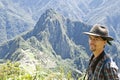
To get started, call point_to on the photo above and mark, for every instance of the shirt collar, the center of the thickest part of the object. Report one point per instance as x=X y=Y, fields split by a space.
x=96 y=60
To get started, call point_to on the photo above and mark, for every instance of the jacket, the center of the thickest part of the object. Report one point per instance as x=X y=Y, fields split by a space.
x=102 y=68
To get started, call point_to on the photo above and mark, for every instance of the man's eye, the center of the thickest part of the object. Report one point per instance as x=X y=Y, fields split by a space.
x=96 y=39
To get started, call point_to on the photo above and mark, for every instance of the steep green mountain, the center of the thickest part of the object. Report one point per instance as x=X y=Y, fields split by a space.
x=53 y=28
x=51 y=38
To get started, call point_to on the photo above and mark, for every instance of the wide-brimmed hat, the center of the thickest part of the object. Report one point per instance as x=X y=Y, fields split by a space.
x=99 y=30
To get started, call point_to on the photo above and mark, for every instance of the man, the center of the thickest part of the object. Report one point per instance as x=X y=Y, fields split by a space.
x=101 y=66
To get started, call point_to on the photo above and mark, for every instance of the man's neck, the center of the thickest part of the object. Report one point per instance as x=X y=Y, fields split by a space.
x=97 y=53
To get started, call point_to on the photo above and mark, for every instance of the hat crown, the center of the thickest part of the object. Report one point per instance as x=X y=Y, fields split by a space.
x=99 y=30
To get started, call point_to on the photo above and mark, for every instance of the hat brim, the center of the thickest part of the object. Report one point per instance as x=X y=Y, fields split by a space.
x=93 y=34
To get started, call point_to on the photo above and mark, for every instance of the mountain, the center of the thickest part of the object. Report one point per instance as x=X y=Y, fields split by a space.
x=13 y=22
x=54 y=28
x=52 y=36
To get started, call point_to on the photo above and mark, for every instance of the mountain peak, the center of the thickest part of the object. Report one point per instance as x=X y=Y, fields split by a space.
x=50 y=16
x=50 y=11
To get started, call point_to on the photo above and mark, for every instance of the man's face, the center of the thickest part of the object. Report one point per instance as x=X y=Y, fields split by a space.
x=96 y=43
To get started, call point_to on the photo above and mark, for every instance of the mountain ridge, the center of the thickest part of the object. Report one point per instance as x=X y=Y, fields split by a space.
x=50 y=36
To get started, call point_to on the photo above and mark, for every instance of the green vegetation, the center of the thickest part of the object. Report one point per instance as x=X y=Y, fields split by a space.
x=13 y=71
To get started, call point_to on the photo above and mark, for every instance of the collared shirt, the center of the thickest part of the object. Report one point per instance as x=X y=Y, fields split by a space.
x=100 y=70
